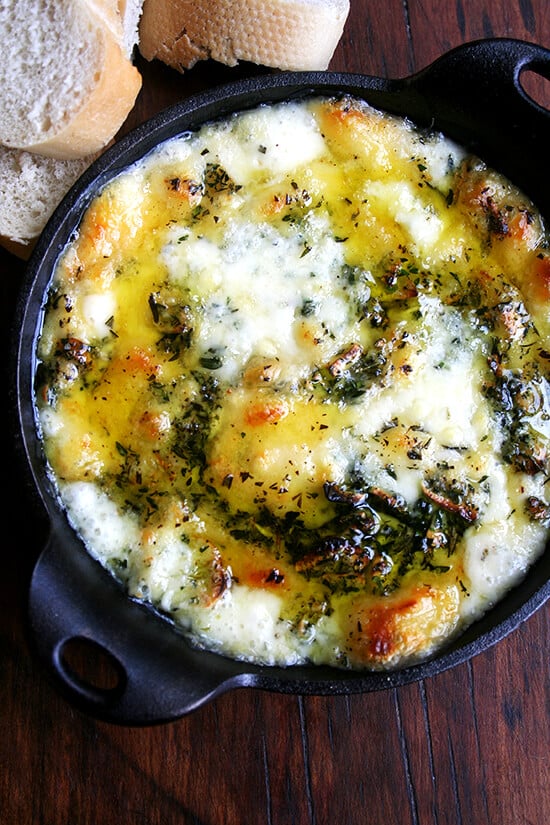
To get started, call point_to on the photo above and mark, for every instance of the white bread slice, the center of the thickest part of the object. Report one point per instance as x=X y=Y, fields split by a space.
x=31 y=187
x=66 y=85
x=284 y=34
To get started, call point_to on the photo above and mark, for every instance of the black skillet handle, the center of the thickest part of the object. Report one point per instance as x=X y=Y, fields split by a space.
x=475 y=93
x=147 y=675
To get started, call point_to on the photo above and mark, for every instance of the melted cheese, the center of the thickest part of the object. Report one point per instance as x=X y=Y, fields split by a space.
x=293 y=385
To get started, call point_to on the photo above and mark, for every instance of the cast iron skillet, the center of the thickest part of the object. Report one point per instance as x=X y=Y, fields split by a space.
x=474 y=95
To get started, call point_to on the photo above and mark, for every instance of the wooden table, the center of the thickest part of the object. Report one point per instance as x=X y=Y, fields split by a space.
x=470 y=746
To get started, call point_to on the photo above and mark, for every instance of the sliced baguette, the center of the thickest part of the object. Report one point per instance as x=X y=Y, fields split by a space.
x=31 y=187
x=284 y=34
x=66 y=83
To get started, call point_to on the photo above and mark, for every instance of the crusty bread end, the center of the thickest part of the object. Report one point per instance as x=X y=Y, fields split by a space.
x=285 y=34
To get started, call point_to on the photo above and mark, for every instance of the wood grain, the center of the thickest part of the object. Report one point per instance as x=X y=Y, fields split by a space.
x=468 y=747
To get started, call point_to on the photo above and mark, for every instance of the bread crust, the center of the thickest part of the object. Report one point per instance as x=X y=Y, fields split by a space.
x=285 y=34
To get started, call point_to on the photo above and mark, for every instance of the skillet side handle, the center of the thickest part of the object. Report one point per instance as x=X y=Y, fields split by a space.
x=476 y=90
x=146 y=675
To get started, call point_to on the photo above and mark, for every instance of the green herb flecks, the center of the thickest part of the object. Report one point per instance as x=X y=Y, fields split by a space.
x=174 y=320
x=517 y=398
x=217 y=179
x=373 y=540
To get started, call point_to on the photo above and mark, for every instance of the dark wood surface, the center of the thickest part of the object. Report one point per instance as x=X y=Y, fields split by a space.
x=470 y=746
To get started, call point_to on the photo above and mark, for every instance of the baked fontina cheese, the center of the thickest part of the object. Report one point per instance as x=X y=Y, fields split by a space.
x=293 y=385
